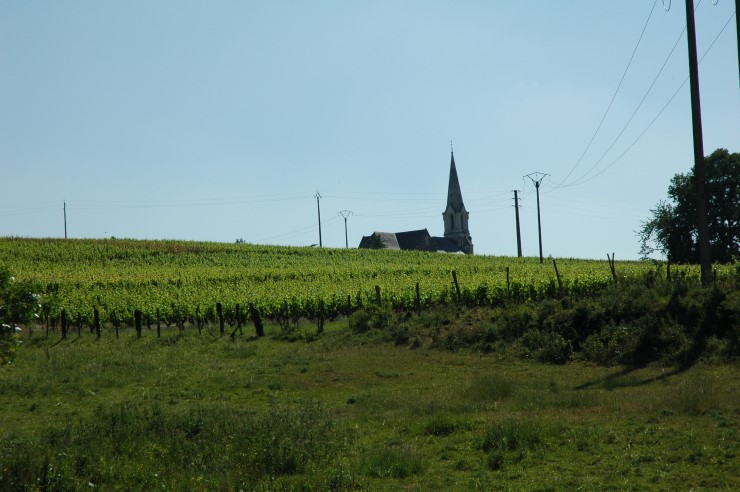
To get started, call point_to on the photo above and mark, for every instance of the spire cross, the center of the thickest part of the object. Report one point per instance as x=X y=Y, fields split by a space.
x=451 y=148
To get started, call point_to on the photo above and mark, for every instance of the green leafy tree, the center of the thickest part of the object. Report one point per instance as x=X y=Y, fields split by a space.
x=672 y=229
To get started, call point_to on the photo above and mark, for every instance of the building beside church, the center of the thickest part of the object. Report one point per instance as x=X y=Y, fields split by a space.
x=456 y=238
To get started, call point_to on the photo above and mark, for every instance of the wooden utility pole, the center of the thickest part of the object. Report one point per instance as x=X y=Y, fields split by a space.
x=318 y=206
x=345 y=214
x=537 y=178
x=737 y=31
x=518 y=232
x=705 y=260
x=65 y=220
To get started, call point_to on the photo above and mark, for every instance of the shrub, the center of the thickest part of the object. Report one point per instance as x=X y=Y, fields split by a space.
x=9 y=345
x=547 y=346
x=370 y=318
x=612 y=345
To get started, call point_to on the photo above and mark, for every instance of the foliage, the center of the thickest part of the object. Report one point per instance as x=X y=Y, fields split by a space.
x=19 y=301
x=180 y=281
x=673 y=226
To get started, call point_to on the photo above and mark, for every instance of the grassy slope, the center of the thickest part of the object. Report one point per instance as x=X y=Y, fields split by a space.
x=413 y=419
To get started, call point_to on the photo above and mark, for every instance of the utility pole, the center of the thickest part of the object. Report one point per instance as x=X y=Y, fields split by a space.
x=518 y=233
x=737 y=31
x=318 y=206
x=65 y=220
x=699 y=173
x=537 y=178
x=345 y=214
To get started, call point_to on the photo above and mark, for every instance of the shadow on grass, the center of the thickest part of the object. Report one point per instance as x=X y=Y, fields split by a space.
x=618 y=379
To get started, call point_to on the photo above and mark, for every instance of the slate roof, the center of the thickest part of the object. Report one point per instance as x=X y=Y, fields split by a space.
x=409 y=240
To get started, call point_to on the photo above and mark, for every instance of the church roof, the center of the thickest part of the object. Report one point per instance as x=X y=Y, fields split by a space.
x=419 y=240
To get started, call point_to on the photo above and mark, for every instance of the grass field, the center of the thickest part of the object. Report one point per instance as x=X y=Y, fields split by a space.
x=350 y=412
x=518 y=381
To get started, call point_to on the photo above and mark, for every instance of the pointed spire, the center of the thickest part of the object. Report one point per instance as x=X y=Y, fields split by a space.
x=454 y=195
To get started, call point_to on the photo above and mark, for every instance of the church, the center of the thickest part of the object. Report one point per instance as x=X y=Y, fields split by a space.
x=456 y=236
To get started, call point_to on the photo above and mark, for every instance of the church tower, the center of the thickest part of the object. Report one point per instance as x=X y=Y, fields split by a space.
x=455 y=216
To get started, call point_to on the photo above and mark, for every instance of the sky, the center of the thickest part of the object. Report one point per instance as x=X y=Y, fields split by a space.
x=220 y=121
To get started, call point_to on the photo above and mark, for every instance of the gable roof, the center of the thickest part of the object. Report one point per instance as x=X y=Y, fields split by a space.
x=409 y=240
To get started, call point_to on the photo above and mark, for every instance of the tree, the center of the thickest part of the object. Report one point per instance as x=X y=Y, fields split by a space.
x=672 y=228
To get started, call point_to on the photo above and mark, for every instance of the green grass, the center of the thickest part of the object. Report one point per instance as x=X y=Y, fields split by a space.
x=349 y=411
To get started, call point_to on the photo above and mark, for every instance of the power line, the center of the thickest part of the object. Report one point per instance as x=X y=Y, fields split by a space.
x=611 y=102
x=581 y=181
x=629 y=120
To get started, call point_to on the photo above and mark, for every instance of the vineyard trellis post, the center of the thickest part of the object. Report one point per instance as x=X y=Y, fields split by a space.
x=611 y=266
x=257 y=320
x=418 y=299
x=557 y=275
x=220 y=313
x=321 y=316
x=457 y=286
x=64 y=323
x=238 y=313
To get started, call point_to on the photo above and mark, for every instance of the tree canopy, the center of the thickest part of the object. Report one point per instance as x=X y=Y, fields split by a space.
x=672 y=229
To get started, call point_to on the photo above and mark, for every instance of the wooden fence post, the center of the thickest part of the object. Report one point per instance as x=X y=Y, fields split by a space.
x=320 y=321
x=557 y=274
x=378 y=299
x=64 y=323
x=159 y=324
x=96 y=322
x=508 y=281
x=79 y=325
x=418 y=298
x=137 y=322
x=257 y=320
x=220 y=313
x=611 y=266
x=238 y=310
x=457 y=286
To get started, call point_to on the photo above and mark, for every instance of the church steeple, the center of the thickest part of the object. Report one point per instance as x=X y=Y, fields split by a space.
x=455 y=216
x=454 y=195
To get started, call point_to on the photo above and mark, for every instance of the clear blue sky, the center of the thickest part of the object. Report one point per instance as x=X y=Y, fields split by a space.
x=221 y=120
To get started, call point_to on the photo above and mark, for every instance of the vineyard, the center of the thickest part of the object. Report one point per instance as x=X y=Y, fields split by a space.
x=177 y=281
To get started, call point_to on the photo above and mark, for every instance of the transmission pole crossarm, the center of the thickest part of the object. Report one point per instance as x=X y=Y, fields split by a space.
x=536 y=179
